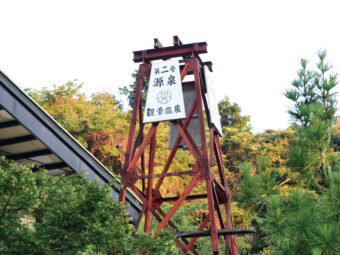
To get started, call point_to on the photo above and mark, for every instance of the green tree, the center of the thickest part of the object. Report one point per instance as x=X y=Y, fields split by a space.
x=98 y=122
x=42 y=214
x=129 y=91
x=312 y=92
x=303 y=95
x=239 y=147
x=292 y=195
x=302 y=222
x=255 y=185
x=313 y=114
x=288 y=218
x=231 y=115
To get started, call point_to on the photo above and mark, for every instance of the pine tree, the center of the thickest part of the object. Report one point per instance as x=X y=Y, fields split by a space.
x=313 y=115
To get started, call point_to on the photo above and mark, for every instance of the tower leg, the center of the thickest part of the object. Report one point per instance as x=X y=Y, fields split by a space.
x=150 y=183
x=136 y=107
x=213 y=227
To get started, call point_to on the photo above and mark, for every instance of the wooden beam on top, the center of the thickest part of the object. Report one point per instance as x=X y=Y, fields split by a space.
x=170 y=52
x=15 y=140
x=157 y=44
x=176 y=41
x=7 y=124
x=29 y=154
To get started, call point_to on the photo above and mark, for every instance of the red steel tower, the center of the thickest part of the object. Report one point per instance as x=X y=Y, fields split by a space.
x=218 y=223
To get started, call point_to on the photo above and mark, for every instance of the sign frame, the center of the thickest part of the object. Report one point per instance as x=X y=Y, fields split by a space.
x=164 y=100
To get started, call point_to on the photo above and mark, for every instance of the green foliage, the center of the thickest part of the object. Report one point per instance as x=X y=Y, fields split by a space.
x=231 y=115
x=189 y=218
x=312 y=93
x=98 y=123
x=256 y=185
x=290 y=220
x=160 y=242
x=241 y=147
x=302 y=94
x=19 y=197
x=42 y=214
x=293 y=193
x=129 y=91
x=72 y=206
x=298 y=224
x=314 y=115
x=311 y=155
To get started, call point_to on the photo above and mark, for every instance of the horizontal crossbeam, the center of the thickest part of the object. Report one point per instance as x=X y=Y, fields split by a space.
x=170 y=52
x=7 y=124
x=29 y=154
x=221 y=232
x=165 y=175
x=15 y=140
x=51 y=166
x=173 y=199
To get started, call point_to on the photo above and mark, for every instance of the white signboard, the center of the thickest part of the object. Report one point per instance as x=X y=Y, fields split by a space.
x=215 y=117
x=165 y=97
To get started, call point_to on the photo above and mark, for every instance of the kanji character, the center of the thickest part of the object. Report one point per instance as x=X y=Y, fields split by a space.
x=158 y=82
x=165 y=71
x=160 y=111
x=168 y=110
x=171 y=80
x=177 y=108
x=150 y=112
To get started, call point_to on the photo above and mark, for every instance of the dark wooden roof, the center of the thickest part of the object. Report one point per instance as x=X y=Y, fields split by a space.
x=29 y=134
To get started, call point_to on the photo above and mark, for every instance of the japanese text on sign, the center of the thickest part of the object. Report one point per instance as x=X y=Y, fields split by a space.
x=165 y=97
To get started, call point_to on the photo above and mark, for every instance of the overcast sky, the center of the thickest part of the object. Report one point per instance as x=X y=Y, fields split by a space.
x=255 y=46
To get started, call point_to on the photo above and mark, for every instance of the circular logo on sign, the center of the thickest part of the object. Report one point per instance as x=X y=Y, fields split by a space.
x=164 y=96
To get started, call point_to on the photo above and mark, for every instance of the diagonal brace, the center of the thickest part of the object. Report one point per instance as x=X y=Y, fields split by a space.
x=179 y=201
x=145 y=142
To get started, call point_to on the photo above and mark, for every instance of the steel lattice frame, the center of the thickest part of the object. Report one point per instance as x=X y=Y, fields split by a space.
x=205 y=157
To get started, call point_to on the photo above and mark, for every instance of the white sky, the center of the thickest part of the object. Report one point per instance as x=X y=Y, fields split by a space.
x=255 y=46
